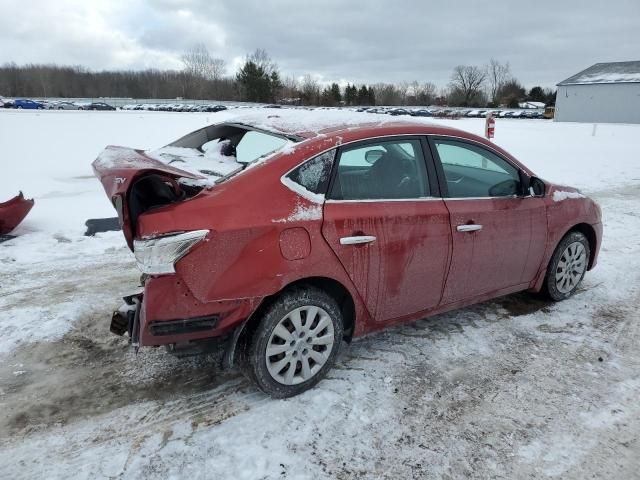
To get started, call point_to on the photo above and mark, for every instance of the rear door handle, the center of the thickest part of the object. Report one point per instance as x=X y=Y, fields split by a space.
x=357 y=240
x=469 y=228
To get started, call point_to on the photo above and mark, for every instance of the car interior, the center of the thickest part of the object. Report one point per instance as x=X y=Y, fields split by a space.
x=475 y=172
x=250 y=144
x=390 y=170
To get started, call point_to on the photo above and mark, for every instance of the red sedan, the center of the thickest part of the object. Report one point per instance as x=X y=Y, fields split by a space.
x=271 y=241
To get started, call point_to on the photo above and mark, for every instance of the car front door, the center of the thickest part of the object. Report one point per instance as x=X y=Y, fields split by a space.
x=388 y=226
x=498 y=233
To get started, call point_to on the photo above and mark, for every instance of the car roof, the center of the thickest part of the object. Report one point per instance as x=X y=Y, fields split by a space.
x=307 y=125
x=327 y=129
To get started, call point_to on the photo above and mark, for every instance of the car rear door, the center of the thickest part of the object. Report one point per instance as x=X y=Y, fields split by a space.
x=498 y=233
x=388 y=226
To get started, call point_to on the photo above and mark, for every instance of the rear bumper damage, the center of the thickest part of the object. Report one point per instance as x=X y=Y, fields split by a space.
x=13 y=211
x=166 y=313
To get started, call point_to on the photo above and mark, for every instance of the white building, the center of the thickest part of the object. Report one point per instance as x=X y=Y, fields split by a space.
x=603 y=93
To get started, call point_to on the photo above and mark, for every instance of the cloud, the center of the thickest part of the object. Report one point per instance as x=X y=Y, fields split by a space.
x=361 y=41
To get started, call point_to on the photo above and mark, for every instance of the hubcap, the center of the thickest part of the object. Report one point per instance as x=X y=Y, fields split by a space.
x=571 y=267
x=299 y=345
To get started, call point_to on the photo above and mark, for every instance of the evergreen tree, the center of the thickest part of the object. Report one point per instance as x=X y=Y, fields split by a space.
x=350 y=94
x=336 y=96
x=536 y=94
x=258 y=79
x=372 y=96
x=363 y=95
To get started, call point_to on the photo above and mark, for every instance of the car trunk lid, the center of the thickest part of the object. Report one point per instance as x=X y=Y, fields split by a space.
x=136 y=182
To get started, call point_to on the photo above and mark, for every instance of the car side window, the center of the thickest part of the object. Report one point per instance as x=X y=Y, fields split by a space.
x=382 y=170
x=474 y=172
x=314 y=174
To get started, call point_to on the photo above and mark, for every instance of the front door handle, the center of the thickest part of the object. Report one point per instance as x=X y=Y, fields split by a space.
x=357 y=240
x=469 y=228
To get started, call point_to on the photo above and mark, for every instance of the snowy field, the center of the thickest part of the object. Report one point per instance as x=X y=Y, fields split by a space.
x=513 y=388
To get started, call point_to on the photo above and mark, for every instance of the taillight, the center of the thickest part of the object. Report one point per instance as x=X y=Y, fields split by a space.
x=159 y=255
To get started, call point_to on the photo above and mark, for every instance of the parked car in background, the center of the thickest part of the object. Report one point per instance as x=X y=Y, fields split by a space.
x=398 y=111
x=100 y=106
x=27 y=104
x=216 y=108
x=327 y=235
x=420 y=113
x=62 y=105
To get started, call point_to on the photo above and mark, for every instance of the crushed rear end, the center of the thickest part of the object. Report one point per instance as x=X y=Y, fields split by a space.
x=165 y=205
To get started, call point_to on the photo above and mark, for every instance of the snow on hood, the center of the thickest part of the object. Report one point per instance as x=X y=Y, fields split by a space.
x=560 y=195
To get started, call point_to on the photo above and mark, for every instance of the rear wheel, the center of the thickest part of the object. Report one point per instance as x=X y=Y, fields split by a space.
x=295 y=343
x=567 y=267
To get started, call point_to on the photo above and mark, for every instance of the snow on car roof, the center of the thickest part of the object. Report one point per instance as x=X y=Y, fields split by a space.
x=612 y=72
x=307 y=124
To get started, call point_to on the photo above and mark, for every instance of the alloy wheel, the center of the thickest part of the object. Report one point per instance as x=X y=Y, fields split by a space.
x=300 y=345
x=571 y=267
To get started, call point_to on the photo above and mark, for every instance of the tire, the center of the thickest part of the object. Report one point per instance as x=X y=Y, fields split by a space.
x=567 y=266
x=302 y=352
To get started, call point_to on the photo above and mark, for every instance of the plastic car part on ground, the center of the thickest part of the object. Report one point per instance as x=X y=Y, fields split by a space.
x=99 y=225
x=13 y=211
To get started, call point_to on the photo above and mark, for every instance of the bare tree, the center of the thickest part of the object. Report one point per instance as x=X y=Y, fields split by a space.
x=217 y=69
x=498 y=74
x=403 y=89
x=262 y=60
x=196 y=60
x=467 y=82
x=290 y=89
x=421 y=94
x=310 y=90
x=199 y=68
x=386 y=94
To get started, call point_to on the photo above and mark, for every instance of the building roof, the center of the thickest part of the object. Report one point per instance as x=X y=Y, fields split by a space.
x=611 y=72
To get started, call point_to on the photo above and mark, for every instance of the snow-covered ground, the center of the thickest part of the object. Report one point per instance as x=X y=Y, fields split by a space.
x=514 y=388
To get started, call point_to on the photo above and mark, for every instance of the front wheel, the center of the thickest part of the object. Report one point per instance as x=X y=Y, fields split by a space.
x=295 y=343
x=567 y=267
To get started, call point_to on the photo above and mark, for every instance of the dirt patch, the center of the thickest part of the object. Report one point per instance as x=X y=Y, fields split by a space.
x=87 y=373
x=524 y=304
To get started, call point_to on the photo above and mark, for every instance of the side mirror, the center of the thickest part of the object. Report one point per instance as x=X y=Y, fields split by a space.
x=536 y=187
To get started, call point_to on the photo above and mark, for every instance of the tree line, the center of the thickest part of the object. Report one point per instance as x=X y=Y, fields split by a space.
x=259 y=80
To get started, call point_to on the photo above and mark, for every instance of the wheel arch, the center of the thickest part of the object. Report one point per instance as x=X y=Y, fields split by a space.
x=242 y=335
x=589 y=232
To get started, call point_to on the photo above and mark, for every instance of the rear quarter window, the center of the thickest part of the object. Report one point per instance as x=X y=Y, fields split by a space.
x=314 y=174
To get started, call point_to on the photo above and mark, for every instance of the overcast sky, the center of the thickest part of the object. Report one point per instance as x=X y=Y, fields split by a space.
x=358 y=41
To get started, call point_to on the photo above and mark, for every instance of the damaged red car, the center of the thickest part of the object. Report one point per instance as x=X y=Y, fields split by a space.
x=272 y=241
